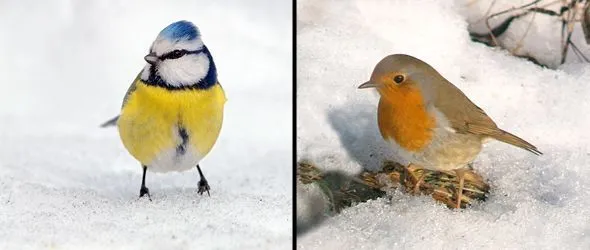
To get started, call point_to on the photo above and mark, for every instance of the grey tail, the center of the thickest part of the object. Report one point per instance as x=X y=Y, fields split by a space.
x=111 y=122
x=511 y=139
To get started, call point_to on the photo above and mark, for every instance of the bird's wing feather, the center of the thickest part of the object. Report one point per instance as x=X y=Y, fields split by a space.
x=467 y=118
x=132 y=87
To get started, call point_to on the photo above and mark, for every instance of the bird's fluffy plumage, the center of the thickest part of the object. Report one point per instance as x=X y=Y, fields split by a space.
x=194 y=69
x=463 y=116
x=173 y=111
x=153 y=118
x=181 y=30
x=430 y=121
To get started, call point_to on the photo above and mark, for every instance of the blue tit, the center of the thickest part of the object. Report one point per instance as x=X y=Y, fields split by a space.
x=173 y=111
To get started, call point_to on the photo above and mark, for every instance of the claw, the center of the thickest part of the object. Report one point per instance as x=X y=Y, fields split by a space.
x=204 y=186
x=143 y=191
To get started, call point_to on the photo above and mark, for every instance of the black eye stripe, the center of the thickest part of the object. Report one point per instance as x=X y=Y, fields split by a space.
x=173 y=54
x=178 y=54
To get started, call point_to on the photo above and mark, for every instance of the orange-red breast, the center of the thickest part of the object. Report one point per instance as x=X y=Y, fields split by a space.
x=428 y=120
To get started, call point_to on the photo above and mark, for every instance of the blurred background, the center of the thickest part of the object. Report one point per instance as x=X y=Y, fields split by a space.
x=64 y=69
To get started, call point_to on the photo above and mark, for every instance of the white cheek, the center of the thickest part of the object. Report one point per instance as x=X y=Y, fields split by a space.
x=184 y=71
x=145 y=74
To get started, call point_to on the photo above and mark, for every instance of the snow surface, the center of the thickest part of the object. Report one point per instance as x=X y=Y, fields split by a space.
x=68 y=184
x=535 y=203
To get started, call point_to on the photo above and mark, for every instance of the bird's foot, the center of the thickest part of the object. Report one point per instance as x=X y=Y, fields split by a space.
x=416 y=190
x=143 y=191
x=410 y=181
x=204 y=186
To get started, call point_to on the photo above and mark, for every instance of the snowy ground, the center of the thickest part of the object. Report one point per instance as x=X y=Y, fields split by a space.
x=536 y=202
x=68 y=184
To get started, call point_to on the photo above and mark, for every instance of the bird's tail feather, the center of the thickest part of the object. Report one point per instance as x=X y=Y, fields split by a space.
x=111 y=122
x=511 y=139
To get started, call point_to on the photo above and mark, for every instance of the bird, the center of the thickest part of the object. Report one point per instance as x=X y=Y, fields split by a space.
x=172 y=113
x=430 y=122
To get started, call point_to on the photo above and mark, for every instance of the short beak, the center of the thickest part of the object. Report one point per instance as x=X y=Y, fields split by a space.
x=151 y=58
x=368 y=84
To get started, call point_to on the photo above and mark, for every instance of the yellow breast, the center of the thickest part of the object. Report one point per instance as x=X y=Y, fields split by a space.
x=149 y=120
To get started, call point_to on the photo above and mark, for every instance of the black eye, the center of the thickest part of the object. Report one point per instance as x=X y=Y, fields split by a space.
x=398 y=79
x=175 y=54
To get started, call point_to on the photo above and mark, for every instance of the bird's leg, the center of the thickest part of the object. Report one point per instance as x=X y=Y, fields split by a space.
x=416 y=188
x=203 y=185
x=461 y=176
x=406 y=174
x=144 y=190
x=417 y=185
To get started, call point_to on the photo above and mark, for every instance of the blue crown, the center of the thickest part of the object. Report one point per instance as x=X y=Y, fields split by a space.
x=180 y=30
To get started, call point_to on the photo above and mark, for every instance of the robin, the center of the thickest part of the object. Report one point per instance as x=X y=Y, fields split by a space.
x=429 y=121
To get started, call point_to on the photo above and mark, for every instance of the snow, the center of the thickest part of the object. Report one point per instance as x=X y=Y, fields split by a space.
x=535 y=202
x=68 y=184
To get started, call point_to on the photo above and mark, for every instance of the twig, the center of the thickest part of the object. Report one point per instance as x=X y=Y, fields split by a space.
x=586 y=21
x=487 y=12
x=570 y=29
x=550 y=3
x=503 y=12
x=579 y=52
x=519 y=43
